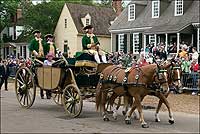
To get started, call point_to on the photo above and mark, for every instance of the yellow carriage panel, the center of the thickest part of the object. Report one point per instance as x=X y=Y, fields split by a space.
x=48 y=77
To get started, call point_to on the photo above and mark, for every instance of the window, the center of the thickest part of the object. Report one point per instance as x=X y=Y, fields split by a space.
x=136 y=43
x=65 y=23
x=198 y=39
x=87 y=22
x=24 y=52
x=66 y=48
x=121 y=42
x=178 y=7
x=155 y=8
x=152 y=39
x=131 y=12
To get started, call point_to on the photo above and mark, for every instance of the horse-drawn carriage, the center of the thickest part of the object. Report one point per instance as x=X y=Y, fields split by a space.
x=69 y=80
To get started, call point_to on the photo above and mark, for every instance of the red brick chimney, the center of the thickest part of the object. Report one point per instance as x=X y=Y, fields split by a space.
x=117 y=5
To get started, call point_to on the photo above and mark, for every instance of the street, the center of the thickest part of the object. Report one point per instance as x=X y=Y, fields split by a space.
x=47 y=117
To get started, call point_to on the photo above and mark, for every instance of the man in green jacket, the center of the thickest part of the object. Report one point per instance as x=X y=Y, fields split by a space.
x=91 y=44
x=49 y=46
x=36 y=45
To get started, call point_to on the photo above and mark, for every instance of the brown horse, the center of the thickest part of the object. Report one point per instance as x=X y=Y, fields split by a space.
x=136 y=84
x=174 y=72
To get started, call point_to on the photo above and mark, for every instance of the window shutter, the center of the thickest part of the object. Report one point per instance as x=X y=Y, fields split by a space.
x=125 y=43
x=140 y=41
x=147 y=39
x=117 y=42
x=131 y=43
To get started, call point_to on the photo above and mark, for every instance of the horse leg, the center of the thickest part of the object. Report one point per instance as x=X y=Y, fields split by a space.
x=104 y=112
x=157 y=119
x=137 y=103
x=164 y=100
x=112 y=99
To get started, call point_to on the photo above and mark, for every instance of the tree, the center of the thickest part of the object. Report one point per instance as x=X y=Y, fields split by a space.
x=8 y=9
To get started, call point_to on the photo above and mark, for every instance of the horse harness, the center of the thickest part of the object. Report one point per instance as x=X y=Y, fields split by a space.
x=114 y=73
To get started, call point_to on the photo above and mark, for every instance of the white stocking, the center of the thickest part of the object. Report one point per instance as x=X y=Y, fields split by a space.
x=96 y=56
x=103 y=57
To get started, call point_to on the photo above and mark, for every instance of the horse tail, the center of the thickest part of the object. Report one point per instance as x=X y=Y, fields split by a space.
x=98 y=96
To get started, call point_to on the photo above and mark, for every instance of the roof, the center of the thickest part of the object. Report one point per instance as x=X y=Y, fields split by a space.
x=100 y=17
x=166 y=22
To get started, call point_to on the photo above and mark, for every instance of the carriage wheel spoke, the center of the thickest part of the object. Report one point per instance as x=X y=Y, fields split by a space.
x=20 y=81
x=24 y=99
x=21 y=97
x=21 y=78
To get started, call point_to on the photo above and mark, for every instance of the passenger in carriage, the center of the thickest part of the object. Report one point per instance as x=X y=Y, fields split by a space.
x=49 y=46
x=36 y=45
x=91 y=44
x=49 y=60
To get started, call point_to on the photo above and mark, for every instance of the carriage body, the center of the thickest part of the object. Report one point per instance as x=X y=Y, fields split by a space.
x=69 y=80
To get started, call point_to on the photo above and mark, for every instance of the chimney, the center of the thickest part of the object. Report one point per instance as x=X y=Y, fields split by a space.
x=117 y=5
x=19 y=13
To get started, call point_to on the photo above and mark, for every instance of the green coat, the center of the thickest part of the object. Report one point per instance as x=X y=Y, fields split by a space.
x=47 y=48
x=34 y=45
x=86 y=41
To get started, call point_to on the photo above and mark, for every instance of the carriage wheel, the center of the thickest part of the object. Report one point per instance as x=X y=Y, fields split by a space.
x=57 y=97
x=72 y=100
x=25 y=87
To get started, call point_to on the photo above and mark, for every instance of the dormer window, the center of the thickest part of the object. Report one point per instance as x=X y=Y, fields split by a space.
x=86 y=20
x=178 y=7
x=155 y=8
x=131 y=12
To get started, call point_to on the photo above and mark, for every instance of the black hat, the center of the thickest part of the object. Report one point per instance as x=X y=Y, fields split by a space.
x=48 y=36
x=36 y=31
x=87 y=27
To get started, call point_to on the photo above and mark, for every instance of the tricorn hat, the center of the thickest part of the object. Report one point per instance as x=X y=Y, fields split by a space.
x=36 y=31
x=48 y=36
x=87 y=27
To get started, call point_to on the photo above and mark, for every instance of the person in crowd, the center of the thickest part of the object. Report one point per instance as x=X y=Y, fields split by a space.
x=142 y=61
x=7 y=73
x=162 y=53
x=36 y=45
x=195 y=54
x=2 y=73
x=49 y=46
x=91 y=44
x=183 y=52
x=194 y=69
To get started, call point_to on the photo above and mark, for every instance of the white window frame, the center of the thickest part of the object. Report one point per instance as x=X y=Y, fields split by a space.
x=136 y=43
x=152 y=39
x=87 y=21
x=131 y=15
x=178 y=6
x=154 y=14
x=120 y=42
x=65 y=21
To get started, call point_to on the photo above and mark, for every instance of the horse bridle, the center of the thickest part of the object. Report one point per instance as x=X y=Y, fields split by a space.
x=158 y=75
x=172 y=73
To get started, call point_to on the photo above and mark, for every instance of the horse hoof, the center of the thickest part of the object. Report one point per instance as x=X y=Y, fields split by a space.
x=145 y=126
x=171 y=121
x=156 y=120
x=115 y=118
x=128 y=122
x=124 y=113
x=106 y=119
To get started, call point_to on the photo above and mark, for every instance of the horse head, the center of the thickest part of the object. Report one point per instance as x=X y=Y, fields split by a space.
x=161 y=78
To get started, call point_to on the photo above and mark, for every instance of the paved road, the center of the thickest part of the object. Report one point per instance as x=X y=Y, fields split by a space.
x=46 y=116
